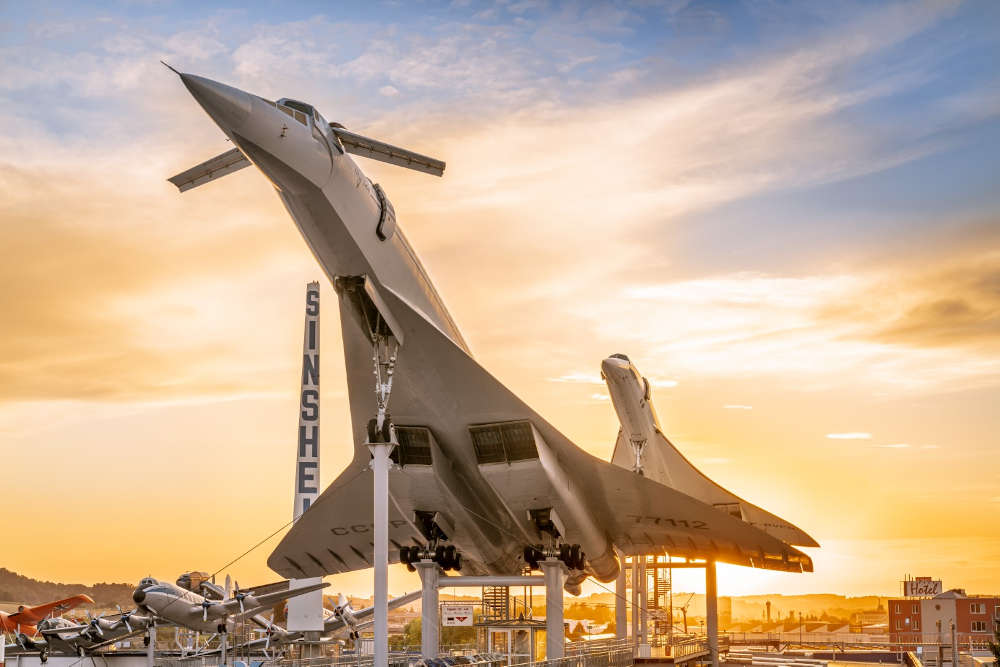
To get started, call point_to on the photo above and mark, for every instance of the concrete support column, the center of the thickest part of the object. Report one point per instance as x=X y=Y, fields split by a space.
x=430 y=574
x=555 y=573
x=621 y=602
x=643 y=634
x=712 y=612
x=380 y=468
x=635 y=599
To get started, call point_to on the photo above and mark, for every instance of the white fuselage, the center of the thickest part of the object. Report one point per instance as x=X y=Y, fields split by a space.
x=337 y=210
x=181 y=607
x=630 y=396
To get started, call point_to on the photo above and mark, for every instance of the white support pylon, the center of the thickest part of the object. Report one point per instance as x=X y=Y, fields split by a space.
x=554 y=573
x=643 y=634
x=380 y=468
x=635 y=600
x=430 y=575
x=712 y=612
x=621 y=602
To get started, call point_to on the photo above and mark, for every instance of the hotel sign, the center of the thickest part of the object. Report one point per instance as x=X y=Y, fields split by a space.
x=921 y=587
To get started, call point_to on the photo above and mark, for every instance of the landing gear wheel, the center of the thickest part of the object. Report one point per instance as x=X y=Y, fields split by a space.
x=575 y=558
x=564 y=554
x=439 y=555
x=145 y=640
x=449 y=557
x=43 y=655
x=457 y=563
x=531 y=557
x=80 y=653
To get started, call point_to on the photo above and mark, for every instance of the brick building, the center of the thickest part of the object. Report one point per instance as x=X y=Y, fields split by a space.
x=928 y=620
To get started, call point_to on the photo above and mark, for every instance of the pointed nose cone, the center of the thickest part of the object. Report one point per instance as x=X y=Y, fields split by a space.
x=229 y=107
x=612 y=364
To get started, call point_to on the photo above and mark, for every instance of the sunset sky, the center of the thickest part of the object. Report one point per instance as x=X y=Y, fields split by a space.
x=786 y=213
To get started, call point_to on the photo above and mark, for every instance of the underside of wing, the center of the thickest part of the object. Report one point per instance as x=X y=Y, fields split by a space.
x=474 y=454
x=335 y=534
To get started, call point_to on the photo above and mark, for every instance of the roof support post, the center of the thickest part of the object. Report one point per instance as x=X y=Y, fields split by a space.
x=554 y=572
x=712 y=612
x=430 y=574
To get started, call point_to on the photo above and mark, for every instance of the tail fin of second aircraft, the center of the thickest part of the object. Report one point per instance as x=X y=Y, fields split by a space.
x=661 y=456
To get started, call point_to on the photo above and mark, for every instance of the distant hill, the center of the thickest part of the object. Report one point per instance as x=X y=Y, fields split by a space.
x=25 y=590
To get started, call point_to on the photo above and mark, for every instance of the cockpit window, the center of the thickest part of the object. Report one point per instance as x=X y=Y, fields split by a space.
x=147 y=582
x=307 y=109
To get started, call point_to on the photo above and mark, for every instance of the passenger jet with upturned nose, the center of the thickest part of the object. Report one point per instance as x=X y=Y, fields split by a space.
x=481 y=481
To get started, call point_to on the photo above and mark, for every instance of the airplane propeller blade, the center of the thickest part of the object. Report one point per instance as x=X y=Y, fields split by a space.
x=123 y=618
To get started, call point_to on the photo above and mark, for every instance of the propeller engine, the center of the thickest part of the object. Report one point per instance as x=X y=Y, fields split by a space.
x=94 y=631
x=123 y=617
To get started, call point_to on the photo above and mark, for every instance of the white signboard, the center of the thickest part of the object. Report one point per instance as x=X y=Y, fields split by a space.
x=453 y=614
x=921 y=587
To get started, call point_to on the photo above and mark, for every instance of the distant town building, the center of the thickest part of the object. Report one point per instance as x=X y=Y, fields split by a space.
x=725 y=611
x=929 y=620
x=874 y=618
